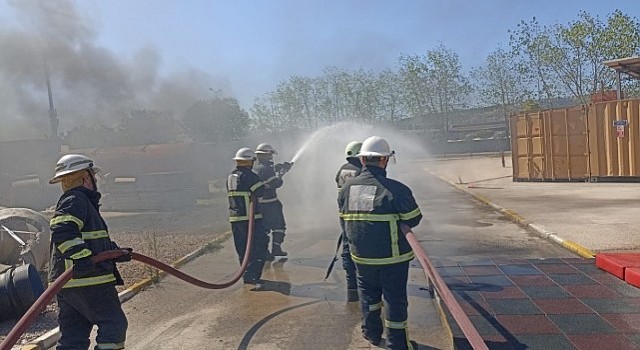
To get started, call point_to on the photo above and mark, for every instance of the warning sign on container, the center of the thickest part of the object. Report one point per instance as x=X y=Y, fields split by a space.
x=620 y=130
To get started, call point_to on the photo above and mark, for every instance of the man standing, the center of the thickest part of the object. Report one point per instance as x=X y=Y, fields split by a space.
x=78 y=232
x=270 y=205
x=243 y=188
x=348 y=170
x=373 y=207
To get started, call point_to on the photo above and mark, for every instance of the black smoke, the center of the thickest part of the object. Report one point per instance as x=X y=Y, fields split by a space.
x=90 y=83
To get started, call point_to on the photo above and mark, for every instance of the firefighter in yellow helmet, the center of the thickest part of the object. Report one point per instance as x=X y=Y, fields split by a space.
x=78 y=232
x=373 y=208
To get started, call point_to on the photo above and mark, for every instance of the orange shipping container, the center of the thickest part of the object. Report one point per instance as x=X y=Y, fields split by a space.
x=594 y=143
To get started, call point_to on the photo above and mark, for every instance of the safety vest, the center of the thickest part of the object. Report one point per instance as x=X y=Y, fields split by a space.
x=372 y=207
x=242 y=183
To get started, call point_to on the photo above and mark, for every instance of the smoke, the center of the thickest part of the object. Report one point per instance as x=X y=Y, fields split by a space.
x=310 y=192
x=90 y=83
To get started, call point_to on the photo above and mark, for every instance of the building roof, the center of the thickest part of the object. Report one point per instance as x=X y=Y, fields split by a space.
x=629 y=65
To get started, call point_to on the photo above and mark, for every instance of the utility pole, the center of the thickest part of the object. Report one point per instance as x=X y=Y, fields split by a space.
x=53 y=115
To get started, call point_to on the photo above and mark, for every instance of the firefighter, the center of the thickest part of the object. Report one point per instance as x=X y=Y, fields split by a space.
x=373 y=207
x=270 y=205
x=244 y=187
x=348 y=170
x=78 y=232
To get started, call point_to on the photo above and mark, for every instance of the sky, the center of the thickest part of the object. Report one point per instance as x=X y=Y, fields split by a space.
x=241 y=48
x=256 y=44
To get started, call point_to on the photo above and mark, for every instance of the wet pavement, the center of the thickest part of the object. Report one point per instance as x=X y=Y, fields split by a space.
x=550 y=303
x=520 y=291
x=295 y=309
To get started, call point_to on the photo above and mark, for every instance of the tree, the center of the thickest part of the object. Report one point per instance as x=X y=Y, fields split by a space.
x=144 y=127
x=529 y=43
x=498 y=82
x=434 y=85
x=216 y=120
x=568 y=59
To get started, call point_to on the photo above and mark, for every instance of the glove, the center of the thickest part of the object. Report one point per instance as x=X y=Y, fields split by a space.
x=83 y=267
x=282 y=168
x=124 y=258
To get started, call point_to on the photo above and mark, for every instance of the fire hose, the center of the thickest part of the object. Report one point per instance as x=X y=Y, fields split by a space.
x=463 y=321
x=54 y=287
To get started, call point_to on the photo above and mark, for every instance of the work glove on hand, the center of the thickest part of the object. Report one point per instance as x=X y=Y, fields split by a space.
x=124 y=258
x=83 y=267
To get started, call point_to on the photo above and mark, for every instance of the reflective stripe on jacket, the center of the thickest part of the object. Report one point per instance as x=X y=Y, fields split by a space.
x=372 y=207
x=78 y=231
x=242 y=183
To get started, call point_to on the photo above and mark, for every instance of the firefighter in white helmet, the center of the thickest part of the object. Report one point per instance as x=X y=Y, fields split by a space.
x=243 y=188
x=78 y=232
x=270 y=205
x=373 y=208
x=349 y=170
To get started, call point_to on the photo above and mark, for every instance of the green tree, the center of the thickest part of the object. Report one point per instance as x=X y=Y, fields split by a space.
x=529 y=43
x=498 y=82
x=216 y=120
x=567 y=60
x=434 y=85
x=144 y=127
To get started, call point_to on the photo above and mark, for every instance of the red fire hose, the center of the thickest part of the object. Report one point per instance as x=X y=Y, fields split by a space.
x=474 y=338
x=54 y=287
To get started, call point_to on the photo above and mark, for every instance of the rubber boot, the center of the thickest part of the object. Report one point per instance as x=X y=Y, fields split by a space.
x=276 y=250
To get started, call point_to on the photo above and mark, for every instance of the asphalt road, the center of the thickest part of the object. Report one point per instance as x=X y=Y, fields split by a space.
x=297 y=309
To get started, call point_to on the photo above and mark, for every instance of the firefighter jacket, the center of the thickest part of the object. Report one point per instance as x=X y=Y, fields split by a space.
x=78 y=231
x=372 y=208
x=264 y=169
x=350 y=169
x=242 y=183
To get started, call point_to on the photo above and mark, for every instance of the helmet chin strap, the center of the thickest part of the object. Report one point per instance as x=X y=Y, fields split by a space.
x=93 y=179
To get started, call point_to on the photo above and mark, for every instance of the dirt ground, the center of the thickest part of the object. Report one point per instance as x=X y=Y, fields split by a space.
x=166 y=236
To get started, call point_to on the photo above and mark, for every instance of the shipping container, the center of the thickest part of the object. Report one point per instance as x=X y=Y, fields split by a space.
x=597 y=142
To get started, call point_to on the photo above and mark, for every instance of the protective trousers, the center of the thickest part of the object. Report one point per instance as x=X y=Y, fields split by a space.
x=389 y=282
x=349 y=266
x=258 y=247
x=273 y=219
x=82 y=307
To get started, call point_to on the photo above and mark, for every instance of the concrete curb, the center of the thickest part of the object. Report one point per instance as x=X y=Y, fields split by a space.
x=49 y=339
x=520 y=220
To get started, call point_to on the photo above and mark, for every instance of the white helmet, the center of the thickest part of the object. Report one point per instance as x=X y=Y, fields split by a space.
x=352 y=149
x=375 y=146
x=72 y=163
x=245 y=154
x=265 y=148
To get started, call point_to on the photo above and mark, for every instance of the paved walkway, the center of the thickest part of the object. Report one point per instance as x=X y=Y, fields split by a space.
x=563 y=303
x=597 y=216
